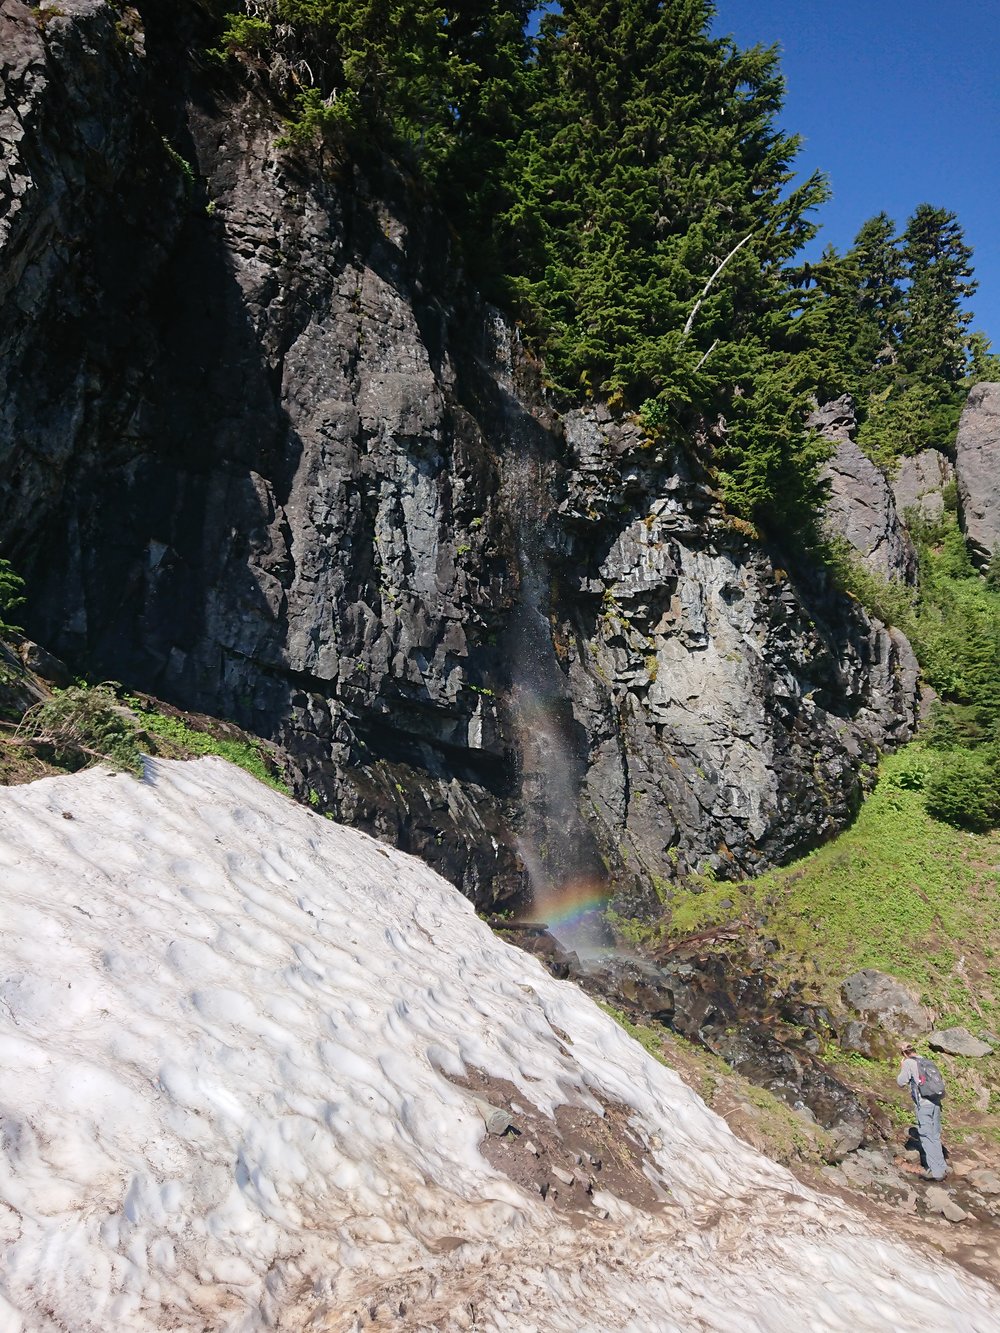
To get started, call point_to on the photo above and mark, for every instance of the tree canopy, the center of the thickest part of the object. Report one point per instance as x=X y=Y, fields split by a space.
x=622 y=183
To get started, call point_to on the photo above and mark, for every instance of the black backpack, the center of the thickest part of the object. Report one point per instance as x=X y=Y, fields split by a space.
x=931 y=1083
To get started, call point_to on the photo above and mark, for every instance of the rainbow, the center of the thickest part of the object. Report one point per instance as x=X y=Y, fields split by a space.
x=568 y=904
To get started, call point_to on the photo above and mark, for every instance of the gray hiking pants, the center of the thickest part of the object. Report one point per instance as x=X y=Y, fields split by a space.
x=929 y=1129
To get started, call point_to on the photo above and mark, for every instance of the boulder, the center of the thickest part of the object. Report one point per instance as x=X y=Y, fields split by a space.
x=958 y=1041
x=938 y=1200
x=866 y=1040
x=845 y=1137
x=987 y=1182
x=861 y=508
x=44 y=665
x=882 y=999
x=919 y=483
x=977 y=470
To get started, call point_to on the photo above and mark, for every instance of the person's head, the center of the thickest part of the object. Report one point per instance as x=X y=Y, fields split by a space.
x=908 y=1049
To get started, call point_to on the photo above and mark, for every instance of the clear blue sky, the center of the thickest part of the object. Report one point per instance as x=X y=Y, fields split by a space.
x=899 y=103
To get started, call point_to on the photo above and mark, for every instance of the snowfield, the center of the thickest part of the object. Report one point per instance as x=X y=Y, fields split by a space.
x=229 y=1034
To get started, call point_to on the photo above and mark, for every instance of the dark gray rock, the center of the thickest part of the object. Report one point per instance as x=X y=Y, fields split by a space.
x=264 y=454
x=42 y=664
x=845 y=1137
x=919 y=484
x=958 y=1041
x=884 y=1000
x=977 y=470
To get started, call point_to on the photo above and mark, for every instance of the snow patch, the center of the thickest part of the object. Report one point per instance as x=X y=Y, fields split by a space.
x=227 y=1028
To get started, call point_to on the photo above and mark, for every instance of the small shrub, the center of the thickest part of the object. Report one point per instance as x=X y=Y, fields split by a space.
x=81 y=726
x=11 y=588
x=888 y=601
x=965 y=792
x=912 y=772
x=242 y=34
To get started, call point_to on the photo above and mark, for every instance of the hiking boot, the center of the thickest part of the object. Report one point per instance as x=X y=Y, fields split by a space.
x=912 y=1169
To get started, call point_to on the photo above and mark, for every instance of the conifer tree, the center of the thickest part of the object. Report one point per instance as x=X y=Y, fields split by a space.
x=399 y=72
x=650 y=221
x=880 y=268
x=939 y=269
x=984 y=363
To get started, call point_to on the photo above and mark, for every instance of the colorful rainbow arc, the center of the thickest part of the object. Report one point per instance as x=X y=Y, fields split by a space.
x=569 y=904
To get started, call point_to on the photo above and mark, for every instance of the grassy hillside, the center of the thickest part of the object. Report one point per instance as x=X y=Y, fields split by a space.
x=899 y=891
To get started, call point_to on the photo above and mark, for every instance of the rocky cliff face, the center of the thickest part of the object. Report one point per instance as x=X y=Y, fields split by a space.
x=921 y=483
x=977 y=471
x=263 y=453
x=862 y=506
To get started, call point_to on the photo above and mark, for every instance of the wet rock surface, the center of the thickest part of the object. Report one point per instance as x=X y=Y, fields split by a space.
x=737 y=1010
x=769 y=1035
x=265 y=455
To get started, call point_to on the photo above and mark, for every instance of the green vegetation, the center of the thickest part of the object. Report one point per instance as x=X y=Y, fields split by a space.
x=648 y=1039
x=98 y=724
x=11 y=588
x=888 y=323
x=953 y=623
x=648 y=225
x=182 y=164
x=622 y=183
x=898 y=891
x=176 y=732
x=82 y=726
x=438 y=85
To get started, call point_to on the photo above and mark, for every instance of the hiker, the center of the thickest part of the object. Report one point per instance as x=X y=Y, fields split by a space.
x=927 y=1090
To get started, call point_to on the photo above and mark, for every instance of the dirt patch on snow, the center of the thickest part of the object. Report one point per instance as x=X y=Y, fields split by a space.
x=574 y=1160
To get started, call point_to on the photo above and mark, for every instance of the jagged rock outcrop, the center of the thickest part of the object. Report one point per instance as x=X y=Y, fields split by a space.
x=977 y=470
x=262 y=452
x=920 y=483
x=861 y=507
x=716 y=690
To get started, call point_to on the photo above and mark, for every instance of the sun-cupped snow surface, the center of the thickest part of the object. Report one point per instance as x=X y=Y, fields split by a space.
x=229 y=1034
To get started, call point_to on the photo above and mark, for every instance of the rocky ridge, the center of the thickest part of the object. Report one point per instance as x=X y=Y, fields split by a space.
x=265 y=455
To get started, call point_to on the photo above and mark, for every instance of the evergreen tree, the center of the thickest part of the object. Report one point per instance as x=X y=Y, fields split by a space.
x=939 y=269
x=403 y=73
x=880 y=268
x=984 y=364
x=650 y=222
x=11 y=589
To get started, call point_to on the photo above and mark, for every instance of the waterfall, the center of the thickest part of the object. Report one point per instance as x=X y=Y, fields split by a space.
x=566 y=875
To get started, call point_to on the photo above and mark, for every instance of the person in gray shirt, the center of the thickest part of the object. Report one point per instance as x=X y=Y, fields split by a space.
x=928 y=1115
